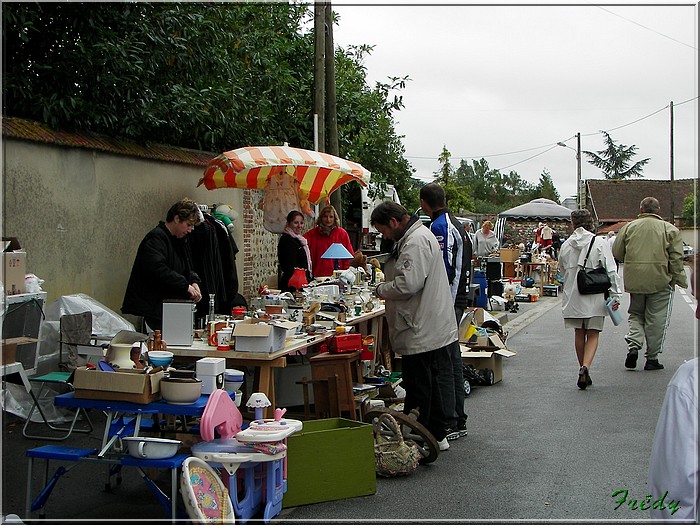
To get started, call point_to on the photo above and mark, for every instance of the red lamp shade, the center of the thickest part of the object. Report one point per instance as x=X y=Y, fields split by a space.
x=298 y=279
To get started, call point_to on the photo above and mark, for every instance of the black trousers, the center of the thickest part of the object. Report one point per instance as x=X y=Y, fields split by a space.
x=420 y=374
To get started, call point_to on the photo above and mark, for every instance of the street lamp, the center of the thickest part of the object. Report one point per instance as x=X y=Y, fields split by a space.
x=578 y=166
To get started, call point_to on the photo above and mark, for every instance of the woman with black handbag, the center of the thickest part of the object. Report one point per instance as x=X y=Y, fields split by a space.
x=585 y=312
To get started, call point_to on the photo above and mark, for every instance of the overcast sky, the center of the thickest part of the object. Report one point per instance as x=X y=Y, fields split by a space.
x=508 y=82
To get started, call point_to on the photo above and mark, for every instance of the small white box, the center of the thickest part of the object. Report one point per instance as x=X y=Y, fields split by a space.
x=210 y=366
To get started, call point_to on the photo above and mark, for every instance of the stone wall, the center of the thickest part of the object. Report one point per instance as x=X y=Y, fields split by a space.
x=81 y=214
x=521 y=231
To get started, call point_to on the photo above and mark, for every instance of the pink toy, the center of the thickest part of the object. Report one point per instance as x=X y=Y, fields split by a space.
x=222 y=414
x=279 y=412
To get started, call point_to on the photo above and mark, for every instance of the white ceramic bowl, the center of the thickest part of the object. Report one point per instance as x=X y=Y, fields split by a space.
x=233 y=379
x=152 y=447
x=180 y=391
x=160 y=358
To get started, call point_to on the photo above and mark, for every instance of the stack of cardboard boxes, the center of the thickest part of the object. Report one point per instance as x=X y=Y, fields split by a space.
x=482 y=351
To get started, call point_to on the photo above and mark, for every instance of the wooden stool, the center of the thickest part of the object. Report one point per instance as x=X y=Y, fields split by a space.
x=326 y=402
x=346 y=366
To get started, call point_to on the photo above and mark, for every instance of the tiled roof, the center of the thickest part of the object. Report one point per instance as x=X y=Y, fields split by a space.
x=36 y=132
x=615 y=227
x=618 y=200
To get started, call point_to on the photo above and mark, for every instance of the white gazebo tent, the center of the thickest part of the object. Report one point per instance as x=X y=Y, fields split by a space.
x=537 y=209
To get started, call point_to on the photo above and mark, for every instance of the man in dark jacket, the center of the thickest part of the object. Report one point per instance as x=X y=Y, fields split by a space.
x=456 y=249
x=163 y=268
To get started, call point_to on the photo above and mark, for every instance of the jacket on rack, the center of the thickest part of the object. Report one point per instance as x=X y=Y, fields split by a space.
x=214 y=259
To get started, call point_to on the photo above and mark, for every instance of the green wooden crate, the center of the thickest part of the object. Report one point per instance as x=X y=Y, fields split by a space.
x=330 y=459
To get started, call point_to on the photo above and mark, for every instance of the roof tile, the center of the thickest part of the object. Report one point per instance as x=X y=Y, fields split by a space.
x=37 y=132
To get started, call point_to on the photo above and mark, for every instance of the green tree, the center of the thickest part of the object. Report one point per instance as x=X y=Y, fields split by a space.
x=492 y=191
x=689 y=212
x=457 y=195
x=545 y=188
x=204 y=75
x=366 y=121
x=189 y=74
x=615 y=160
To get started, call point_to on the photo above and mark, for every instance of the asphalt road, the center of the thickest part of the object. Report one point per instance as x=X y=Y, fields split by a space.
x=538 y=448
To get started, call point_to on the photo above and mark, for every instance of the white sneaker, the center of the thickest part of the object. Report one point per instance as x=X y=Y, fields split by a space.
x=443 y=445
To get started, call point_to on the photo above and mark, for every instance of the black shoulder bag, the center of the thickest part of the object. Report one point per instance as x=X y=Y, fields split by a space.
x=592 y=281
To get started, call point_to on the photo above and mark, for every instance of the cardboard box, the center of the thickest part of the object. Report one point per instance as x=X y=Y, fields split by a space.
x=510 y=254
x=133 y=386
x=330 y=459
x=488 y=356
x=9 y=347
x=259 y=337
x=15 y=266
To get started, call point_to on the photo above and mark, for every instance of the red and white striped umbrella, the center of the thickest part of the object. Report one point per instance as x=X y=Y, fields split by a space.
x=317 y=174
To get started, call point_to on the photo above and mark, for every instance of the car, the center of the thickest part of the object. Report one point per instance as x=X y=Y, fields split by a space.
x=688 y=250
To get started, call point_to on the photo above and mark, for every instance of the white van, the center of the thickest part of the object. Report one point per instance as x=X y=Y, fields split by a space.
x=369 y=236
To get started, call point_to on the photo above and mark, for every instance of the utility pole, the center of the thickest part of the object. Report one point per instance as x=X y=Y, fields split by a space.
x=578 y=171
x=320 y=73
x=331 y=107
x=673 y=215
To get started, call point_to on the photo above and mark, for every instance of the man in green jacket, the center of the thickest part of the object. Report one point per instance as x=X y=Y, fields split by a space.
x=652 y=252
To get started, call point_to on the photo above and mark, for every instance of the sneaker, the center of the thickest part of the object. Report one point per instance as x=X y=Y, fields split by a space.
x=631 y=360
x=452 y=434
x=456 y=433
x=653 y=364
x=443 y=445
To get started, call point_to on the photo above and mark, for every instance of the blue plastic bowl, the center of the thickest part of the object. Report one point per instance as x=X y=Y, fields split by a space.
x=160 y=358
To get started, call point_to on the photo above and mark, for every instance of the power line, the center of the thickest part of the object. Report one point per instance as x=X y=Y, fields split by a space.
x=529 y=158
x=647 y=28
x=551 y=146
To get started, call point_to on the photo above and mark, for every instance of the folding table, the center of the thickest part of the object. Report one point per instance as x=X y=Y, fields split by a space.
x=116 y=427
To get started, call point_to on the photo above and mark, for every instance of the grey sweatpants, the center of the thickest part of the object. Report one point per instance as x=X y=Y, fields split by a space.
x=649 y=315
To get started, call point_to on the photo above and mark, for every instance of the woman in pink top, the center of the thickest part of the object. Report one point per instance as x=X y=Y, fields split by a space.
x=326 y=232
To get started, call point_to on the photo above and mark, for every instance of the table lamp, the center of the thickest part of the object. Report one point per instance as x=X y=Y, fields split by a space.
x=337 y=251
x=258 y=401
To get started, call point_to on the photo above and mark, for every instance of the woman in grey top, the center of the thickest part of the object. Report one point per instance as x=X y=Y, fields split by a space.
x=486 y=241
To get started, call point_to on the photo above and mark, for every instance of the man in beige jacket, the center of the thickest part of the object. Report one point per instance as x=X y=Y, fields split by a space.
x=652 y=252
x=419 y=312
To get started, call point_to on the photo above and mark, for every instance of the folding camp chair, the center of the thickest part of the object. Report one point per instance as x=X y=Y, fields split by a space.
x=75 y=329
x=53 y=378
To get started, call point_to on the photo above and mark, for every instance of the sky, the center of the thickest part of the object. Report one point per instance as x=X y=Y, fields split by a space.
x=507 y=82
